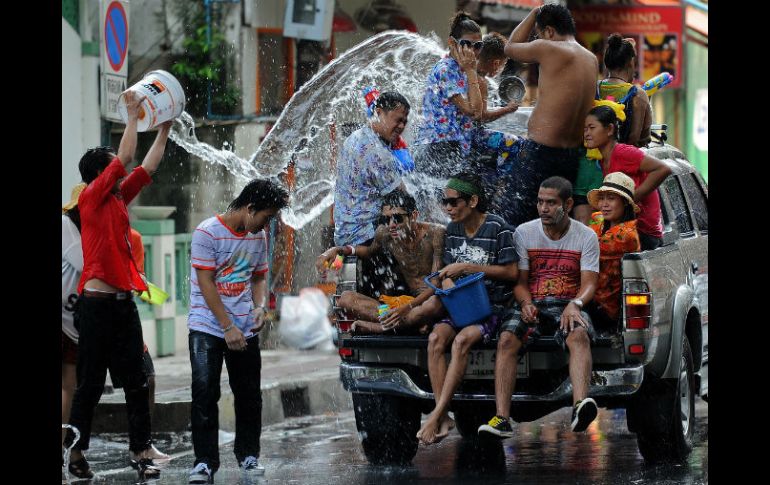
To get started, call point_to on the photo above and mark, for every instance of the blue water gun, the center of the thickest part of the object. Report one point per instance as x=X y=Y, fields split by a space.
x=655 y=84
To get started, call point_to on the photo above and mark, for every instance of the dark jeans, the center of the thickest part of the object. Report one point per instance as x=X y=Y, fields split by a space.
x=534 y=164
x=110 y=337
x=244 y=369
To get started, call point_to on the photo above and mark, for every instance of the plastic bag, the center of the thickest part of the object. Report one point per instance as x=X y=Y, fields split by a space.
x=304 y=321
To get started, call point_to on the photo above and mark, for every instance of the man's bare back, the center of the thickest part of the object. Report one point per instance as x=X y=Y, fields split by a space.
x=567 y=81
x=416 y=260
x=566 y=89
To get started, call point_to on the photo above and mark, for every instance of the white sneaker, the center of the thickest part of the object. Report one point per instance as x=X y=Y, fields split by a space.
x=251 y=465
x=201 y=474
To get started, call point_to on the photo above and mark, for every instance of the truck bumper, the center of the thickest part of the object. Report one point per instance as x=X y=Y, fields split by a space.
x=394 y=381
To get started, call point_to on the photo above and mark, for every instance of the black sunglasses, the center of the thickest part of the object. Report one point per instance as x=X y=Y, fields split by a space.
x=385 y=220
x=469 y=43
x=452 y=200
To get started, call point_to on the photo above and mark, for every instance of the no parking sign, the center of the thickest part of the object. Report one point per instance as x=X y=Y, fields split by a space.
x=114 y=54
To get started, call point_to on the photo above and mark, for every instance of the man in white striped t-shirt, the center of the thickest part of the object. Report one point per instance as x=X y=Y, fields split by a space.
x=227 y=309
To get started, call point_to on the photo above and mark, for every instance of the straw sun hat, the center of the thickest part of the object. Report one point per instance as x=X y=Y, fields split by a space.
x=76 y=190
x=618 y=183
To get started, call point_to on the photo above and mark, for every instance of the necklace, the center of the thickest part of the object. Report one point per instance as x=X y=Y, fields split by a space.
x=561 y=234
x=616 y=77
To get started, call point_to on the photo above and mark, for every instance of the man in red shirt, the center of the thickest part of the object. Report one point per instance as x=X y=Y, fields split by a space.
x=106 y=315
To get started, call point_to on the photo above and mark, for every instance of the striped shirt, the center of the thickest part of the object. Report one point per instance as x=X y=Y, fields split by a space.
x=492 y=244
x=234 y=257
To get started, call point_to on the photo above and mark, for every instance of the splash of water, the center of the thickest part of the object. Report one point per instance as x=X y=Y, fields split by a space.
x=68 y=452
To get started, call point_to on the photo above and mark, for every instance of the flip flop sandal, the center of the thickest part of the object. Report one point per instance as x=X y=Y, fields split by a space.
x=146 y=468
x=81 y=469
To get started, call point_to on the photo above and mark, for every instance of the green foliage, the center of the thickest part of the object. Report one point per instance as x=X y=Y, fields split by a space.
x=203 y=62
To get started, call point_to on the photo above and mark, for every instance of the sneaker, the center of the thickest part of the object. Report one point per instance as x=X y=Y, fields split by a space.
x=497 y=426
x=201 y=474
x=251 y=466
x=583 y=414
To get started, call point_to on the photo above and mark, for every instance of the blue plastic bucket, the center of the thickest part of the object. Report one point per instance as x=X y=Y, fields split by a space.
x=467 y=302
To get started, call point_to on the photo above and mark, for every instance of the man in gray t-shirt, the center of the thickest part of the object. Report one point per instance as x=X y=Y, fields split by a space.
x=558 y=273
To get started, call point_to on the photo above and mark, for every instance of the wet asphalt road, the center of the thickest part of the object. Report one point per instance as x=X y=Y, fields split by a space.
x=325 y=450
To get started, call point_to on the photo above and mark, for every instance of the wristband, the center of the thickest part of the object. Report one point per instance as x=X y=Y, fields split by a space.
x=352 y=250
x=224 y=330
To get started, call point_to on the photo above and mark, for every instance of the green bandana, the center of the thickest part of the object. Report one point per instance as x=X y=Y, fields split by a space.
x=462 y=186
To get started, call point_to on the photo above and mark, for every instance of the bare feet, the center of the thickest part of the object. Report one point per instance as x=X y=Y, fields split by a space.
x=435 y=429
x=361 y=327
x=156 y=454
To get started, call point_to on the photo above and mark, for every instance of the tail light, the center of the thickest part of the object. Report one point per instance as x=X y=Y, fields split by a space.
x=636 y=304
x=346 y=353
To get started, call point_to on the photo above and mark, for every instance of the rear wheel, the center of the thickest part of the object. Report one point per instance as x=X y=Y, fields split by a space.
x=664 y=417
x=388 y=427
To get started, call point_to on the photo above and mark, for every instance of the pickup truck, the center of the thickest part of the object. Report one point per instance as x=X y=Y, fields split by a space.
x=654 y=366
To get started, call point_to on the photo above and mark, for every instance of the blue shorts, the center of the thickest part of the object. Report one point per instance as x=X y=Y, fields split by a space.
x=488 y=327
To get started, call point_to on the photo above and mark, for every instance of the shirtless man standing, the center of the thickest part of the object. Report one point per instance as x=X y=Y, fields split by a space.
x=416 y=247
x=566 y=88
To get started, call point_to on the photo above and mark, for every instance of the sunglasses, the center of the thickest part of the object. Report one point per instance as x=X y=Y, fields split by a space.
x=469 y=43
x=385 y=220
x=451 y=200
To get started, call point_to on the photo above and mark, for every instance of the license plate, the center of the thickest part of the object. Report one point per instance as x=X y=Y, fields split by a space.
x=481 y=365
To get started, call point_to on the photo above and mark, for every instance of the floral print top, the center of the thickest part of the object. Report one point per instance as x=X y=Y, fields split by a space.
x=613 y=244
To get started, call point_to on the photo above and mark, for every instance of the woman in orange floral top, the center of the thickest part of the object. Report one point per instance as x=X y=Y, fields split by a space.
x=615 y=226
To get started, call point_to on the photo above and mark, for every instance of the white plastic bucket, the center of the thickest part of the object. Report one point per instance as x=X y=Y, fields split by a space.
x=165 y=100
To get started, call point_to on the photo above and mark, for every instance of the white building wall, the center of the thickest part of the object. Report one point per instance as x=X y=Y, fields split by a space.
x=71 y=109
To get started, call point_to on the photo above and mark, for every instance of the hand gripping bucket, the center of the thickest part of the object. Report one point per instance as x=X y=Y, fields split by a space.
x=164 y=100
x=467 y=302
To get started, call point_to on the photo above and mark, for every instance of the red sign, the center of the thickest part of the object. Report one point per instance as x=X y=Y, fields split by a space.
x=656 y=30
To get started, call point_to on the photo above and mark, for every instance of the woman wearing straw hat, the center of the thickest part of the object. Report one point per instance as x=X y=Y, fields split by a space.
x=647 y=172
x=615 y=226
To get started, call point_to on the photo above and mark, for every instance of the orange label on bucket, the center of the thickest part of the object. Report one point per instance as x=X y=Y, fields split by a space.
x=141 y=113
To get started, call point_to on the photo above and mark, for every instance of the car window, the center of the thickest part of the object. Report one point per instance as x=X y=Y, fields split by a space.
x=698 y=201
x=678 y=205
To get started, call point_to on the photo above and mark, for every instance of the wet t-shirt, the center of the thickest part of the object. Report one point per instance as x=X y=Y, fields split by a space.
x=554 y=266
x=366 y=171
x=443 y=120
x=234 y=257
x=492 y=244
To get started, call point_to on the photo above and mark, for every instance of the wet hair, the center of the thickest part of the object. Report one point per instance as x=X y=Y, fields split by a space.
x=474 y=180
x=556 y=16
x=462 y=23
x=399 y=198
x=390 y=100
x=93 y=161
x=260 y=195
x=618 y=52
x=562 y=186
x=74 y=215
x=493 y=47
x=606 y=117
